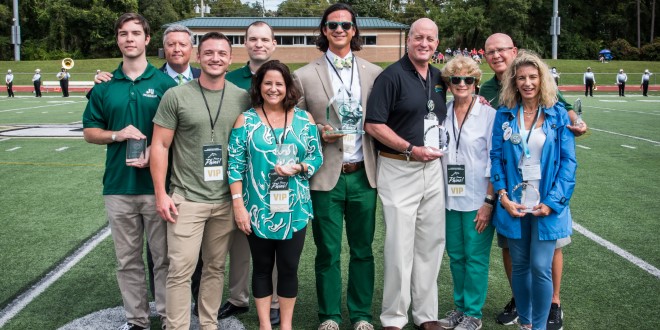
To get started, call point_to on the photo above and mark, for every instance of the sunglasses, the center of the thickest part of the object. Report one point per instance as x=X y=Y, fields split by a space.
x=456 y=80
x=334 y=25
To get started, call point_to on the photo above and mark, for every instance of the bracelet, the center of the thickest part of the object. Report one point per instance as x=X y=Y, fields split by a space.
x=490 y=200
x=302 y=168
x=502 y=194
x=236 y=196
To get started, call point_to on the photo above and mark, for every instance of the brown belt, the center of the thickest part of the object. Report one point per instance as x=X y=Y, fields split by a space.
x=351 y=167
x=396 y=156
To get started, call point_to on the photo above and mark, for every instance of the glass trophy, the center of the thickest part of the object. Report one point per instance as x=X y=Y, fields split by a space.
x=526 y=194
x=437 y=137
x=135 y=150
x=344 y=113
x=286 y=154
x=578 y=109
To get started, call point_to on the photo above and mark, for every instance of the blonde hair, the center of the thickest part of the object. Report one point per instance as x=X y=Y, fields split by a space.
x=458 y=64
x=509 y=96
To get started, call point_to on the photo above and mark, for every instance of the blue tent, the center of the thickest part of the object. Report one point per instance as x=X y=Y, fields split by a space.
x=607 y=54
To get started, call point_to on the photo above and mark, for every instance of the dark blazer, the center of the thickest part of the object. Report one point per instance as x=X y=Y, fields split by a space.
x=195 y=71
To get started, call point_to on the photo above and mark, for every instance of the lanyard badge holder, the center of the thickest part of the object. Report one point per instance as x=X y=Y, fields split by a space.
x=349 y=110
x=436 y=136
x=286 y=156
x=525 y=193
x=456 y=174
x=212 y=152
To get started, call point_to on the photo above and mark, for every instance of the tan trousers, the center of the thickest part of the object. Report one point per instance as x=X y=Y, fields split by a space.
x=130 y=217
x=208 y=226
x=239 y=273
x=413 y=200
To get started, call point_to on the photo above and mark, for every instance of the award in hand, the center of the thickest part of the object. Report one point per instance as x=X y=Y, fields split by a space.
x=344 y=113
x=286 y=154
x=135 y=150
x=578 y=109
x=436 y=137
x=526 y=194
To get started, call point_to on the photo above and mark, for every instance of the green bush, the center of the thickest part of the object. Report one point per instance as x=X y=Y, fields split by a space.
x=622 y=50
x=651 y=52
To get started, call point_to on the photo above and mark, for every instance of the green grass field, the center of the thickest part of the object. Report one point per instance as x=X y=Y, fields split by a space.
x=51 y=202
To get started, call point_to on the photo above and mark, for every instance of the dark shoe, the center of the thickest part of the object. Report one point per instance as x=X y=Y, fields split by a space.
x=555 y=318
x=229 y=309
x=130 y=326
x=430 y=325
x=274 y=316
x=510 y=314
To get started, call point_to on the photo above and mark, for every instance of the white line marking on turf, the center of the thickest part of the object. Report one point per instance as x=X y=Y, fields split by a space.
x=61 y=149
x=26 y=297
x=630 y=136
x=627 y=146
x=583 y=147
x=13 y=149
x=620 y=110
x=42 y=106
x=621 y=252
x=4 y=139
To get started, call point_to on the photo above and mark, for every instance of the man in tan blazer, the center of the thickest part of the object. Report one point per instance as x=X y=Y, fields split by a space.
x=344 y=188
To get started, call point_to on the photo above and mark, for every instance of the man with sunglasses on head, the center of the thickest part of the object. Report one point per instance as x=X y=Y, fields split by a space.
x=344 y=188
x=408 y=100
x=499 y=53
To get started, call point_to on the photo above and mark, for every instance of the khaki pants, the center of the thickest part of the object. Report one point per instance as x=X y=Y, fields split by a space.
x=413 y=200
x=208 y=226
x=130 y=217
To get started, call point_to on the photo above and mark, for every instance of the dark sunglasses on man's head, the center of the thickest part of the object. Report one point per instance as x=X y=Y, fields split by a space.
x=456 y=80
x=344 y=25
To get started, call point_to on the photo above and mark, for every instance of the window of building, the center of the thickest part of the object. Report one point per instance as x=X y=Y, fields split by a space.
x=369 y=40
x=237 y=40
x=291 y=40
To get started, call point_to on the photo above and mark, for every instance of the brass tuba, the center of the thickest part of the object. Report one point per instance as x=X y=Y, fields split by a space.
x=67 y=63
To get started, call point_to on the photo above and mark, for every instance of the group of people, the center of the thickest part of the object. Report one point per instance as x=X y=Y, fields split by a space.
x=63 y=77
x=208 y=163
x=589 y=81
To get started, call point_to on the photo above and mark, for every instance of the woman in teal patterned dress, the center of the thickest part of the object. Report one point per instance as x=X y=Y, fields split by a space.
x=276 y=232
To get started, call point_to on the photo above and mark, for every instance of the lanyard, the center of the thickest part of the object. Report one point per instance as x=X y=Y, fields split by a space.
x=460 y=129
x=348 y=89
x=212 y=121
x=429 y=103
x=522 y=127
x=286 y=119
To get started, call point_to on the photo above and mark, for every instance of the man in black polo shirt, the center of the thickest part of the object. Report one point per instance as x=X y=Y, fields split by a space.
x=410 y=179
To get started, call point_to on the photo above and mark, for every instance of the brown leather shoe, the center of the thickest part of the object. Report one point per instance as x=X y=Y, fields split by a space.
x=431 y=325
x=391 y=328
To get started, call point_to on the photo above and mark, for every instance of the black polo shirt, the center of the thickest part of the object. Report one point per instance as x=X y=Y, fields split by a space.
x=399 y=99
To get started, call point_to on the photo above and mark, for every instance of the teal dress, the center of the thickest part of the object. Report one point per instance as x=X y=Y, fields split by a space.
x=252 y=156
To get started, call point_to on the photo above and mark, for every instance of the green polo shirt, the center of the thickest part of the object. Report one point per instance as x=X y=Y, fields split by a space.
x=241 y=77
x=120 y=102
x=184 y=111
x=490 y=90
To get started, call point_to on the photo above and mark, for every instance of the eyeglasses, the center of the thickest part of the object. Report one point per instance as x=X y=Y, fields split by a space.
x=490 y=53
x=456 y=80
x=334 y=25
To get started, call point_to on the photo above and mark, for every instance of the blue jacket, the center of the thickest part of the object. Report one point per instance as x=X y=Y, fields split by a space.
x=558 y=166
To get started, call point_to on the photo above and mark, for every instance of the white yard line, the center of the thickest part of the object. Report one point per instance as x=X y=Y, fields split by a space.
x=28 y=296
x=13 y=149
x=4 y=139
x=629 y=136
x=627 y=146
x=61 y=149
x=42 y=106
x=619 y=110
x=621 y=252
x=583 y=147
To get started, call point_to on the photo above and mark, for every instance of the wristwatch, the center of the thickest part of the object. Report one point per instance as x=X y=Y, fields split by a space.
x=114 y=137
x=408 y=152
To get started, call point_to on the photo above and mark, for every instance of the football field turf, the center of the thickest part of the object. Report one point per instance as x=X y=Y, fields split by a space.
x=51 y=204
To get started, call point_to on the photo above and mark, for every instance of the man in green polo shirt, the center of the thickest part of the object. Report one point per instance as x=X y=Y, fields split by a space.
x=120 y=111
x=260 y=44
x=194 y=121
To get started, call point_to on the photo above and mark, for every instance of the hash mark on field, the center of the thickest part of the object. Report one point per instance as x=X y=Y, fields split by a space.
x=583 y=147
x=12 y=149
x=28 y=296
x=4 y=139
x=629 y=147
x=43 y=106
x=621 y=252
x=621 y=110
x=45 y=112
x=61 y=149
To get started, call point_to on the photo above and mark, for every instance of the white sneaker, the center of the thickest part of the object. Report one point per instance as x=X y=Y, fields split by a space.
x=362 y=325
x=329 y=325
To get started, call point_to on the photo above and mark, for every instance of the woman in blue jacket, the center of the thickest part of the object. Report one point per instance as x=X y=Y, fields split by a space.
x=533 y=151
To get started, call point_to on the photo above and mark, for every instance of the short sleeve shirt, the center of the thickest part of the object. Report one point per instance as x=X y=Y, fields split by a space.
x=241 y=77
x=399 y=99
x=120 y=102
x=184 y=111
x=490 y=90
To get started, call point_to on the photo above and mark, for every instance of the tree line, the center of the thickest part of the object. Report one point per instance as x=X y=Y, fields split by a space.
x=54 y=29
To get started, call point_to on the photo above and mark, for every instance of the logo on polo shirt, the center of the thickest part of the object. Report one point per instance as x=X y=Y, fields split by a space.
x=438 y=88
x=150 y=93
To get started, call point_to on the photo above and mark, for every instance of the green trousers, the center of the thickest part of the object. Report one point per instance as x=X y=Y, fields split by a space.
x=352 y=200
x=469 y=256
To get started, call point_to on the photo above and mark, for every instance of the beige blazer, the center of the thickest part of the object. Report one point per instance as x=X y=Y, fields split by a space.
x=313 y=81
